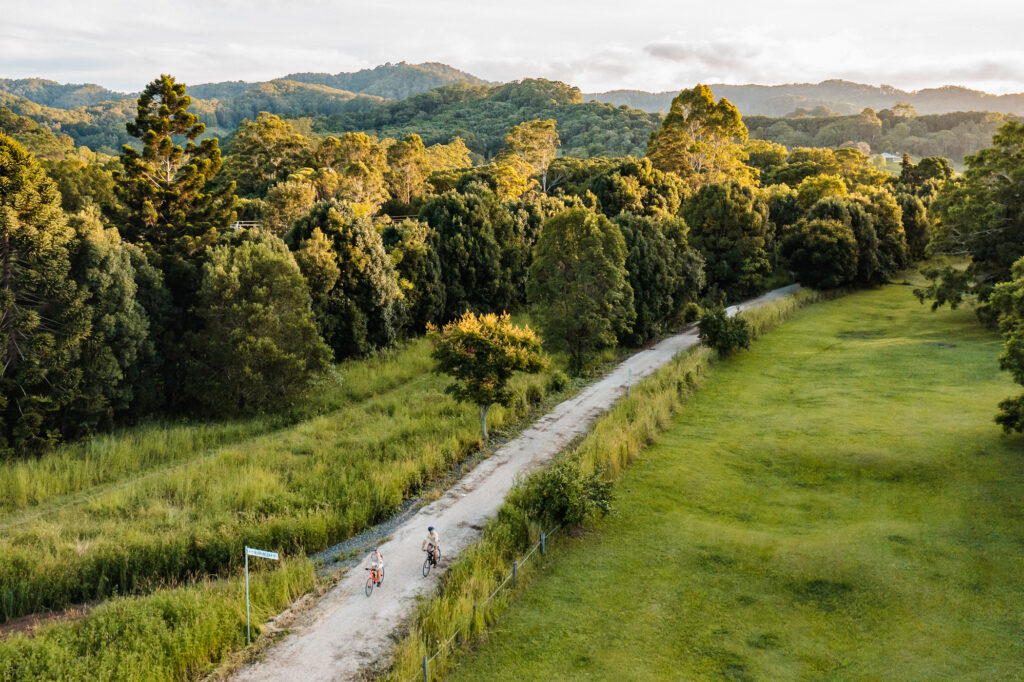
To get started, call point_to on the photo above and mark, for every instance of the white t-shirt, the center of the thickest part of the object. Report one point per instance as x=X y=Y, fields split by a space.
x=432 y=537
x=376 y=559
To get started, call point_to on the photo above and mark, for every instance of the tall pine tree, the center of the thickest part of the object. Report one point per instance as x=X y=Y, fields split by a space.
x=167 y=205
x=43 y=318
x=163 y=188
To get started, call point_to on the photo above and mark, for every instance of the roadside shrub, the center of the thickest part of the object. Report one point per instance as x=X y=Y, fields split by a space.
x=563 y=494
x=534 y=394
x=723 y=333
x=557 y=381
x=691 y=313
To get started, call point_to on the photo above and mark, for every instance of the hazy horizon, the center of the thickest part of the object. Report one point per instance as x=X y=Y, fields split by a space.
x=657 y=46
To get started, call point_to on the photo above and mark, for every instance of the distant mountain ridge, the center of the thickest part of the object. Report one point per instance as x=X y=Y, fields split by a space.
x=839 y=96
x=388 y=81
x=95 y=116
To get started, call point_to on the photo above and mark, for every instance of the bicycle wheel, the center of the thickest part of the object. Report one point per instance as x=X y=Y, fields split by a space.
x=381 y=581
x=426 y=566
x=369 y=586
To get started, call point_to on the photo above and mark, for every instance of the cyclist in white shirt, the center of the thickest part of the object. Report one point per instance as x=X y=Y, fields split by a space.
x=377 y=562
x=434 y=542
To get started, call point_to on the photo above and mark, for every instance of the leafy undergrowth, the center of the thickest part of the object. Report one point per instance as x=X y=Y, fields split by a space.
x=836 y=503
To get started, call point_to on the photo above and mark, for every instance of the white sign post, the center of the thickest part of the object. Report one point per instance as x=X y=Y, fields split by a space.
x=249 y=551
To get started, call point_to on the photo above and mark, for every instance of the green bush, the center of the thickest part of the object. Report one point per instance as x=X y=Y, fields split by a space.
x=562 y=494
x=723 y=333
x=691 y=312
x=557 y=381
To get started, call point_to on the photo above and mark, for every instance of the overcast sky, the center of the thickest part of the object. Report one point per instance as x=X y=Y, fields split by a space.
x=594 y=44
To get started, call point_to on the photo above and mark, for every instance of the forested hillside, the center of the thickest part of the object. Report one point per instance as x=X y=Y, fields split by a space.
x=898 y=131
x=481 y=115
x=95 y=117
x=836 y=96
x=440 y=103
x=61 y=95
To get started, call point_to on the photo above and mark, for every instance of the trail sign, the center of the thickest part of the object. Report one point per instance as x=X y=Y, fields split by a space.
x=250 y=551
x=261 y=553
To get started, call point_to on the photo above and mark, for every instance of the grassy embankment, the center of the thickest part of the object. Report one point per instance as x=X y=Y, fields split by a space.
x=462 y=608
x=836 y=503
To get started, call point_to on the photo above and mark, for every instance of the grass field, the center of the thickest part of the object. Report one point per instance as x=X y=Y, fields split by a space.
x=835 y=503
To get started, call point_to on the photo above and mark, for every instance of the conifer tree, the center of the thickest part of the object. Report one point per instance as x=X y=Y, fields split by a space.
x=163 y=189
x=169 y=207
x=43 y=318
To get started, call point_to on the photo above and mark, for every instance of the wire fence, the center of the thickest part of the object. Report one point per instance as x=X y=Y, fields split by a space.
x=513 y=576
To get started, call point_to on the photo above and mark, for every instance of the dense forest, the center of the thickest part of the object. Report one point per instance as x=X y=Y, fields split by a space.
x=480 y=115
x=129 y=273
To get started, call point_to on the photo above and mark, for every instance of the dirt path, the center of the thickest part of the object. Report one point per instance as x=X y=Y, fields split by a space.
x=346 y=631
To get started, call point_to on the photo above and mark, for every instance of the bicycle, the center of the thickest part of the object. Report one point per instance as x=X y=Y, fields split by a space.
x=431 y=560
x=376 y=578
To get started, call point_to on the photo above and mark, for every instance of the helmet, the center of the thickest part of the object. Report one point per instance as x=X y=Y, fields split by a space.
x=430 y=528
x=373 y=549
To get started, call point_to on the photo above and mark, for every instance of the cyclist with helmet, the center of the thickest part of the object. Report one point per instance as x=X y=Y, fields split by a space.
x=377 y=564
x=433 y=542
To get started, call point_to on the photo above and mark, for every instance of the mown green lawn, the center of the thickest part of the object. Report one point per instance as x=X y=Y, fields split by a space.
x=835 y=503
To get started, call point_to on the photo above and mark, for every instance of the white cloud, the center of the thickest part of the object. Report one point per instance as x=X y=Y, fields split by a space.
x=643 y=44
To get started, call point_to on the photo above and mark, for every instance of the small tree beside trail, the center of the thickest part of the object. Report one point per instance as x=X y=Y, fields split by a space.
x=482 y=352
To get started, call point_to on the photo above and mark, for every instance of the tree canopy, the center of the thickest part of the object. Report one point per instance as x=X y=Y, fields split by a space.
x=700 y=140
x=482 y=353
x=579 y=277
x=729 y=226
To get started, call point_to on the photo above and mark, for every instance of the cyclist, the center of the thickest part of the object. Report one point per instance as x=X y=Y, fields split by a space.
x=434 y=542
x=377 y=564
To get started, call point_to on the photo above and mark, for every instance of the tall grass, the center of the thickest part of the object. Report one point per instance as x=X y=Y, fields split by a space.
x=106 y=458
x=617 y=439
x=386 y=431
x=172 y=634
